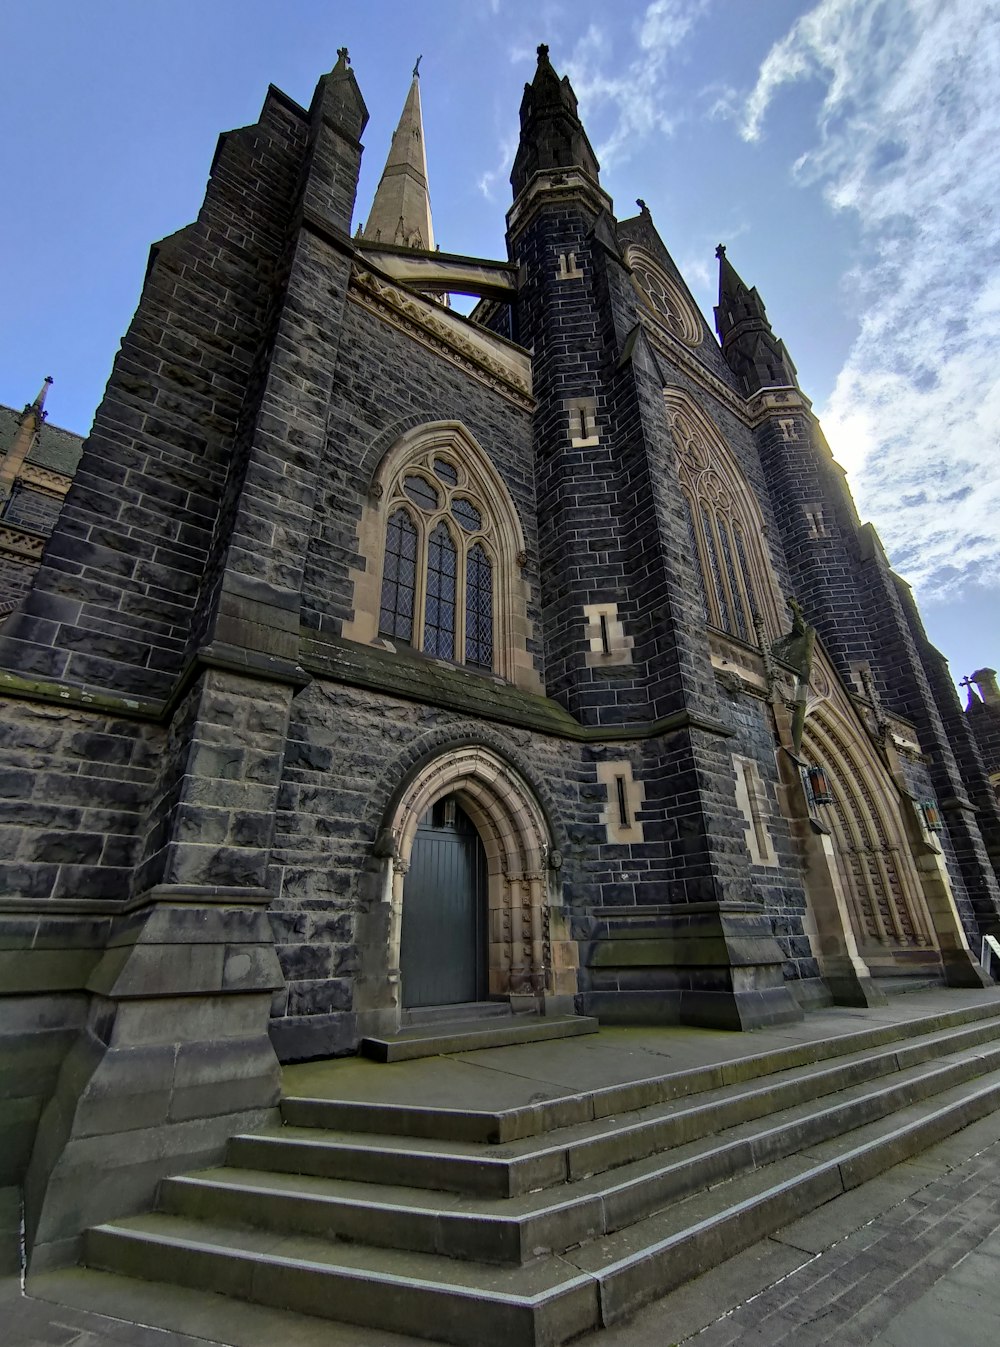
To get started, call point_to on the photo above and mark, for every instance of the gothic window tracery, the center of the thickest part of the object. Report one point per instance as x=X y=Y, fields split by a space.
x=438 y=572
x=725 y=528
x=442 y=558
x=664 y=296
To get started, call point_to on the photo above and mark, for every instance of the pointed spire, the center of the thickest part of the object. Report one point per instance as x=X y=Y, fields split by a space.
x=754 y=354
x=29 y=424
x=38 y=406
x=401 y=211
x=552 y=135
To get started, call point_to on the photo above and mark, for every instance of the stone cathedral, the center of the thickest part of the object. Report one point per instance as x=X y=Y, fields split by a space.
x=384 y=658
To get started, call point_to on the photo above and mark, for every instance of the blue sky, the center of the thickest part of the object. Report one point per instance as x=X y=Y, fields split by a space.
x=847 y=151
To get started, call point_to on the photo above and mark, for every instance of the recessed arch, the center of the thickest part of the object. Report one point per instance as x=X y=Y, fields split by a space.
x=891 y=924
x=447 y=455
x=728 y=529
x=530 y=955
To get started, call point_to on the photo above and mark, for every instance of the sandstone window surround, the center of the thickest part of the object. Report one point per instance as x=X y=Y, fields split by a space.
x=444 y=552
x=663 y=296
x=726 y=526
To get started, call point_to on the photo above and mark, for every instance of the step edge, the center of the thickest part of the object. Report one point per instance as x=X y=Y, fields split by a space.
x=567 y=1204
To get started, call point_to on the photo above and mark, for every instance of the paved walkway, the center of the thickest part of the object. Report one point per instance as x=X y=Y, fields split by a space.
x=911 y=1259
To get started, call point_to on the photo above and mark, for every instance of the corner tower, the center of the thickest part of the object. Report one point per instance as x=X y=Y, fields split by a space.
x=626 y=651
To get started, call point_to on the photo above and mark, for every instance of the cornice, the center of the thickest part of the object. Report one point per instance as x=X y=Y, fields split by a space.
x=35 y=475
x=24 y=544
x=556 y=186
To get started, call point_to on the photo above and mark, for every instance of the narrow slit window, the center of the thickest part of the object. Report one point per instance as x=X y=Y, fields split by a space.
x=624 y=816
x=759 y=831
x=605 y=636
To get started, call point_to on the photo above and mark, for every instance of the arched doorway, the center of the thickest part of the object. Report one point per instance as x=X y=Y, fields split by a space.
x=890 y=923
x=531 y=956
x=444 y=939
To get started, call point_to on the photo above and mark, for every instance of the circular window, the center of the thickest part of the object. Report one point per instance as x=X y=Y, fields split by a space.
x=665 y=297
x=421 y=492
x=467 y=514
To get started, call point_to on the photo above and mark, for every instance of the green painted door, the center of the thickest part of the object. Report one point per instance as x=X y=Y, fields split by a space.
x=444 y=936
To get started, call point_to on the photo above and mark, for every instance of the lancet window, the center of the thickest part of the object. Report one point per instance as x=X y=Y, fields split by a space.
x=725 y=528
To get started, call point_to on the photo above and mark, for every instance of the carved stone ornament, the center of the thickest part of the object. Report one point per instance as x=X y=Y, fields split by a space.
x=555 y=859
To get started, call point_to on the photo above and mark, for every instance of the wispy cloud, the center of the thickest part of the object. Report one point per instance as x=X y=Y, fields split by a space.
x=633 y=91
x=492 y=177
x=626 y=96
x=908 y=138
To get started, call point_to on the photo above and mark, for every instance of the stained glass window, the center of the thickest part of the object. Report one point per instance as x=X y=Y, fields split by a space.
x=467 y=514
x=715 y=578
x=399 y=578
x=421 y=492
x=745 y=571
x=693 y=543
x=439 y=614
x=446 y=472
x=727 y=555
x=479 y=608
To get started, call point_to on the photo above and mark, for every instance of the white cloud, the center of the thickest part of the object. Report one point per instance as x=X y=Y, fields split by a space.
x=907 y=137
x=635 y=92
x=632 y=94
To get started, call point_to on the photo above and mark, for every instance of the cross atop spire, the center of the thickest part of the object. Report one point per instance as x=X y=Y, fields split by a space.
x=401 y=211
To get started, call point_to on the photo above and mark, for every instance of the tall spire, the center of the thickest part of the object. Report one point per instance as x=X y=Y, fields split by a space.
x=552 y=135
x=29 y=423
x=401 y=211
x=754 y=354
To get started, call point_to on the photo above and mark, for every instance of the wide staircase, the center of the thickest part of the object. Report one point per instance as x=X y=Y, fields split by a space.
x=531 y=1225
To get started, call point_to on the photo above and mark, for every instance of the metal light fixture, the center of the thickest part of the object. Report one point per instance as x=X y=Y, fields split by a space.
x=819 y=786
x=932 y=815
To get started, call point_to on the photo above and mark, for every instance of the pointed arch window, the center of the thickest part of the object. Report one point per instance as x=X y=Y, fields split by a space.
x=439 y=575
x=439 y=607
x=726 y=528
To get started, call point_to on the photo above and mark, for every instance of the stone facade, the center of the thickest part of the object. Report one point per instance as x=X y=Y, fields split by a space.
x=223 y=725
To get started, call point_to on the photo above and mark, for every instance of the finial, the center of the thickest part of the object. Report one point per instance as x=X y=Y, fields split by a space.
x=543 y=52
x=642 y=205
x=343 y=56
x=720 y=251
x=416 y=68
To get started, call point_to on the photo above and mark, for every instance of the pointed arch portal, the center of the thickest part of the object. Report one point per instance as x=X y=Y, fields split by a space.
x=518 y=884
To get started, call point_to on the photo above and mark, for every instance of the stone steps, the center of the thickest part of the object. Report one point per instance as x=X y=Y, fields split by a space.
x=529 y=1226
x=514 y=1230
x=572 y=1151
x=437 y=1037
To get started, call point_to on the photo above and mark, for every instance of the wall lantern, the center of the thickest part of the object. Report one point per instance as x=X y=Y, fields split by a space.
x=819 y=786
x=932 y=815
